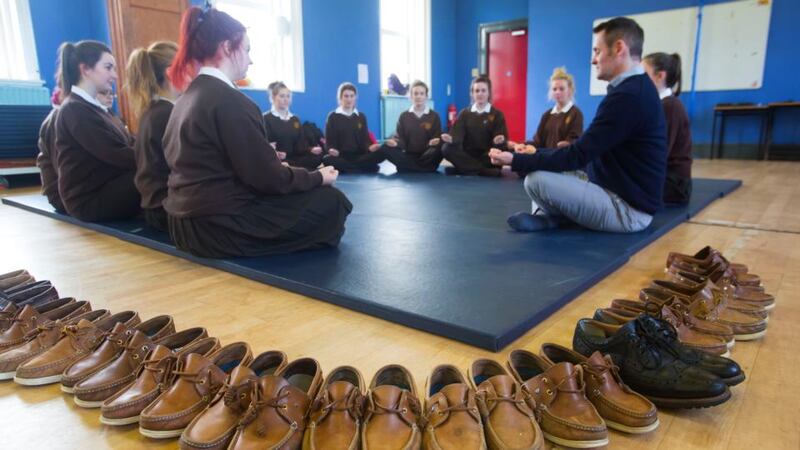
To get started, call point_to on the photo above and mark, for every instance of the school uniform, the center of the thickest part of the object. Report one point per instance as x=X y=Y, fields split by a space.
x=678 y=184
x=94 y=160
x=473 y=135
x=151 y=166
x=287 y=134
x=557 y=125
x=348 y=133
x=228 y=193
x=46 y=160
x=413 y=133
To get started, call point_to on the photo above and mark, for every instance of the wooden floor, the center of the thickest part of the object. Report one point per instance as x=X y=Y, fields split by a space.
x=759 y=224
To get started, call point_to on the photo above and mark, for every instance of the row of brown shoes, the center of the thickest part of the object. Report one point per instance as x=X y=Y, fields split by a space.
x=187 y=385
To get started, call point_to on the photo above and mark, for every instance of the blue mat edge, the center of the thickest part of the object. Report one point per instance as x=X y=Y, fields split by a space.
x=482 y=340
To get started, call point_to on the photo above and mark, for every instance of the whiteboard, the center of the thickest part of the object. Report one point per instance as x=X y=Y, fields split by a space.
x=733 y=43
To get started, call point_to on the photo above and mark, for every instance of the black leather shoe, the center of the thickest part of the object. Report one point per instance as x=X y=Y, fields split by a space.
x=30 y=294
x=650 y=368
x=726 y=369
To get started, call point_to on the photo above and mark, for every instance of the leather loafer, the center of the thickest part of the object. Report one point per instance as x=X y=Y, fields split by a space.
x=392 y=411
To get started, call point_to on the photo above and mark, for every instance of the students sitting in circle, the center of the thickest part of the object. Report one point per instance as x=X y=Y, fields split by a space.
x=285 y=131
x=94 y=155
x=623 y=151
x=477 y=129
x=563 y=124
x=416 y=144
x=228 y=192
x=349 y=147
x=151 y=96
x=665 y=71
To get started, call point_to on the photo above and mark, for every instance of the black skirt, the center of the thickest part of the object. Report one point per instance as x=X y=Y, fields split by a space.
x=270 y=225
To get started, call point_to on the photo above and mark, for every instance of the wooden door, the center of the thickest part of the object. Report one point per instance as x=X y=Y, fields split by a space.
x=138 y=23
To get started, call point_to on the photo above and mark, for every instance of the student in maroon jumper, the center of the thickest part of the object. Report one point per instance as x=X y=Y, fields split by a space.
x=416 y=144
x=347 y=141
x=94 y=155
x=477 y=129
x=285 y=130
x=665 y=71
x=228 y=192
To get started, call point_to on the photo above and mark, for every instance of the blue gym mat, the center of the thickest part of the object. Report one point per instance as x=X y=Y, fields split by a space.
x=434 y=253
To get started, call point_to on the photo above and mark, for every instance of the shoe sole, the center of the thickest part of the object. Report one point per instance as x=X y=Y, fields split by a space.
x=730 y=344
x=632 y=430
x=67 y=389
x=157 y=434
x=87 y=404
x=575 y=444
x=119 y=422
x=7 y=375
x=690 y=403
x=37 y=381
x=726 y=354
x=751 y=336
x=733 y=381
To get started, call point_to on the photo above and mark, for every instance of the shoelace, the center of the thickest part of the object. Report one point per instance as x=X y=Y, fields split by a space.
x=350 y=404
x=154 y=366
x=258 y=402
x=235 y=395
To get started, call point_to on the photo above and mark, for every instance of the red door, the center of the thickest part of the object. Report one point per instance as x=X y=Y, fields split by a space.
x=507 y=61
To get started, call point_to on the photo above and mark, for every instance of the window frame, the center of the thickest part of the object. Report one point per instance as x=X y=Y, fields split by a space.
x=29 y=54
x=426 y=45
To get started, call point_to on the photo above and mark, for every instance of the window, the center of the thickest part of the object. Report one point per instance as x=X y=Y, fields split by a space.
x=17 y=48
x=405 y=40
x=275 y=28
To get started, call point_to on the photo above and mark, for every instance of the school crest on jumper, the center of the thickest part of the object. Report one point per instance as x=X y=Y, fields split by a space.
x=360 y=125
x=297 y=125
x=568 y=120
x=426 y=125
x=490 y=117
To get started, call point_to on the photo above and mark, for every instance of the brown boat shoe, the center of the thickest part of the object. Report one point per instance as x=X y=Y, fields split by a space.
x=152 y=378
x=451 y=417
x=620 y=407
x=556 y=394
x=509 y=423
x=392 y=411
x=197 y=380
x=213 y=429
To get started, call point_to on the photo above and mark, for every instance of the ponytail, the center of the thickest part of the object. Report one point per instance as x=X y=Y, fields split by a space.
x=146 y=74
x=70 y=58
x=201 y=32
x=669 y=64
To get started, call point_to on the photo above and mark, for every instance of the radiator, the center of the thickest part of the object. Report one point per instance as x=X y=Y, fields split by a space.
x=391 y=108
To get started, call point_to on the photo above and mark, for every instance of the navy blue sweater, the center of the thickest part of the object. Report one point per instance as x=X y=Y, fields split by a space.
x=624 y=149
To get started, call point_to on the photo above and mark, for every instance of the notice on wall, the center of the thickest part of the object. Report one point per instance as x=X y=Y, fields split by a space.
x=363 y=74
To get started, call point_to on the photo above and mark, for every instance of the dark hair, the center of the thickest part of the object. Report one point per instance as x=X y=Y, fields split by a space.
x=276 y=86
x=346 y=86
x=482 y=79
x=418 y=83
x=627 y=30
x=202 y=30
x=671 y=65
x=70 y=58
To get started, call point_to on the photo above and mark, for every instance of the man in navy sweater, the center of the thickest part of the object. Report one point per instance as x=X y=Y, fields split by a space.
x=623 y=152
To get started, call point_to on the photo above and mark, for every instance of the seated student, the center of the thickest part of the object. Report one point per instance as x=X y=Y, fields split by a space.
x=665 y=71
x=228 y=193
x=151 y=96
x=561 y=125
x=46 y=158
x=623 y=151
x=477 y=129
x=94 y=154
x=415 y=146
x=349 y=147
x=285 y=131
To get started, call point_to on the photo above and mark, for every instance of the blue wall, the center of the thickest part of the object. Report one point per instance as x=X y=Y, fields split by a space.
x=443 y=55
x=553 y=44
x=57 y=21
x=470 y=14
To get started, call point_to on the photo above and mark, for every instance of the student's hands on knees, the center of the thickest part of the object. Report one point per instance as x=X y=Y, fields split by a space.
x=374 y=148
x=316 y=150
x=447 y=138
x=281 y=155
x=333 y=152
x=562 y=144
x=500 y=158
x=285 y=164
x=329 y=175
x=434 y=142
x=499 y=139
x=391 y=143
x=525 y=148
